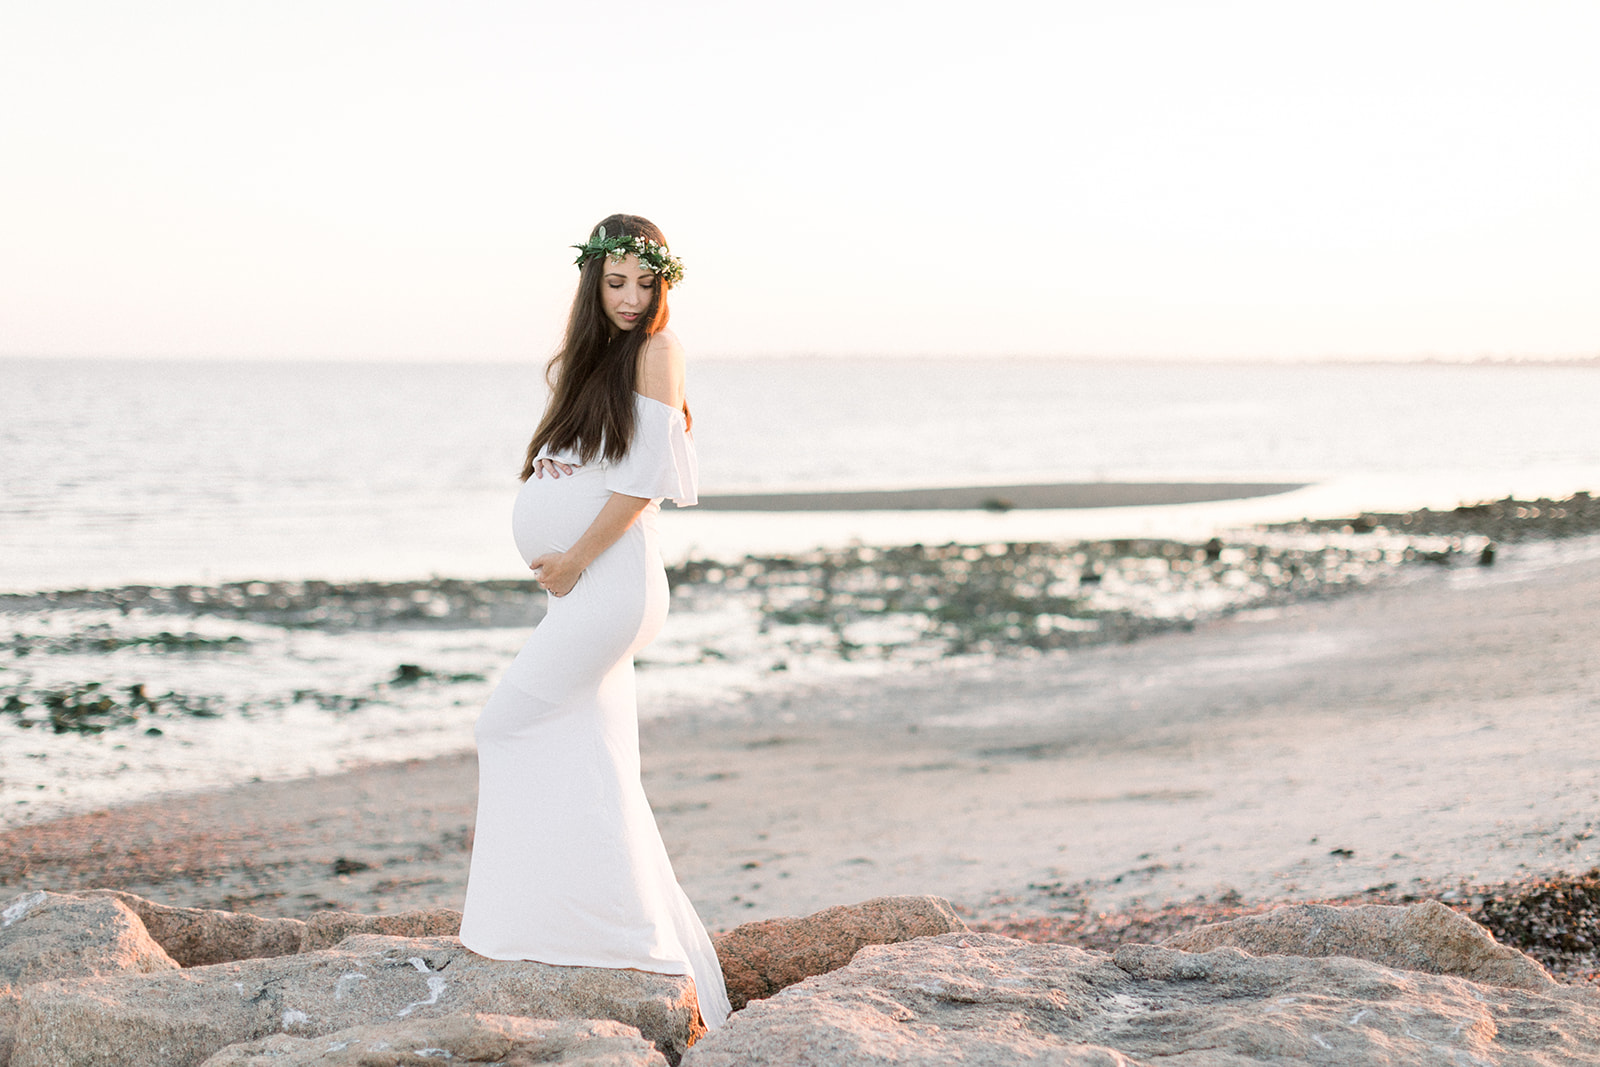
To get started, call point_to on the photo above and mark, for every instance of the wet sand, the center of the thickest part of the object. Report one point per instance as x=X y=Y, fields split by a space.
x=1420 y=735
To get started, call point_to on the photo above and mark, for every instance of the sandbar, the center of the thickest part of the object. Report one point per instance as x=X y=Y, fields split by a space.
x=1069 y=495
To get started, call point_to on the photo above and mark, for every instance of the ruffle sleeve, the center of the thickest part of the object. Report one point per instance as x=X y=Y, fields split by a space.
x=661 y=462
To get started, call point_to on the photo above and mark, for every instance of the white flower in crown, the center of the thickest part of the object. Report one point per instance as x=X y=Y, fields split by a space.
x=652 y=255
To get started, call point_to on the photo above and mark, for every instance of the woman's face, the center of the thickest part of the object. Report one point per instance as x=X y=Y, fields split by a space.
x=625 y=291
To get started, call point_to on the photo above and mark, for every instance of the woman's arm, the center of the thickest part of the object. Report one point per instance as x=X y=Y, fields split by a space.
x=660 y=378
x=558 y=571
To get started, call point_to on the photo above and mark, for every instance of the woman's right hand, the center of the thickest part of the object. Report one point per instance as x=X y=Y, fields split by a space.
x=555 y=468
x=556 y=572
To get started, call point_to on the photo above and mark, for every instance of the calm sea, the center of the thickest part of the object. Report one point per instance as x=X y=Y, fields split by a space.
x=164 y=472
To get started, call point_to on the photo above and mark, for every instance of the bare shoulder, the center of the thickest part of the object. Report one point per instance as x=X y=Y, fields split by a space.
x=661 y=369
x=663 y=347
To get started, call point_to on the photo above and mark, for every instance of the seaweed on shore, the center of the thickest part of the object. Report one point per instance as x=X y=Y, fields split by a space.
x=1505 y=520
x=1556 y=920
x=89 y=708
x=436 y=603
x=1010 y=597
x=962 y=598
x=410 y=674
x=101 y=638
x=340 y=702
x=910 y=603
x=959 y=599
x=95 y=707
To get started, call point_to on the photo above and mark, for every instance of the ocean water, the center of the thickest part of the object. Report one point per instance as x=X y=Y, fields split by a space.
x=165 y=473
x=114 y=472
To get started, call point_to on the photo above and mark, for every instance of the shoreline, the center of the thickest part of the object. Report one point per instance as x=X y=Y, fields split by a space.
x=1415 y=736
x=125 y=692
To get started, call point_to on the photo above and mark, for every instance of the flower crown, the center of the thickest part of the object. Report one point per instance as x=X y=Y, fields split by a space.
x=653 y=257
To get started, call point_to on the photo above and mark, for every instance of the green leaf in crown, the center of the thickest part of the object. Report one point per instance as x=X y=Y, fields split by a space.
x=652 y=256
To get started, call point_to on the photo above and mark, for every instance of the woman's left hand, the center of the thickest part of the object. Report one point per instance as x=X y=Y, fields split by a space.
x=556 y=573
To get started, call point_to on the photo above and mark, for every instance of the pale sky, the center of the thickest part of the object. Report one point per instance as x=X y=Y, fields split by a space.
x=385 y=179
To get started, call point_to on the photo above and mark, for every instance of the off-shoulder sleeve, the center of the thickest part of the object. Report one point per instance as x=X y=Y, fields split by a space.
x=661 y=462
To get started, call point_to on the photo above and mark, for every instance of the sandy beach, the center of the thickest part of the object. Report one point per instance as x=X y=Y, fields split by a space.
x=1425 y=735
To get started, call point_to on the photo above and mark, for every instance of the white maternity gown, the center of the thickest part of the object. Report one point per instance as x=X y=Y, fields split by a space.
x=568 y=867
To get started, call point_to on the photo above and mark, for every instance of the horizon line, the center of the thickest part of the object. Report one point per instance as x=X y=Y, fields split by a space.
x=1151 y=359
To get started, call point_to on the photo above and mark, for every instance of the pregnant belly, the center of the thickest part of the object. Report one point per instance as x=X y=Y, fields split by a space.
x=551 y=513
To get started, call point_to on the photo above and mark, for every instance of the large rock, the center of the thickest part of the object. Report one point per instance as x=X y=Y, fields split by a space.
x=760 y=958
x=184 y=1016
x=497 y=1039
x=327 y=928
x=982 y=999
x=1423 y=937
x=196 y=937
x=10 y=1011
x=53 y=935
x=62 y=935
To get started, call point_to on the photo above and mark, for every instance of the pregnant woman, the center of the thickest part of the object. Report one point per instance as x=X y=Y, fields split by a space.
x=568 y=867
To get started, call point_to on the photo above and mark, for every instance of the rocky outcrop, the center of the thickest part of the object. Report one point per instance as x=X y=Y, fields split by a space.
x=10 y=1009
x=760 y=958
x=488 y=1039
x=327 y=928
x=196 y=937
x=83 y=981
x=63 y=935
x=182 y=1017
x=1425 y=937
x=53 y=935
x=985 y=999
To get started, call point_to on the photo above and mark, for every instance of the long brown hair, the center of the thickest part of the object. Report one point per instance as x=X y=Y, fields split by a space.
x=593 y=375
